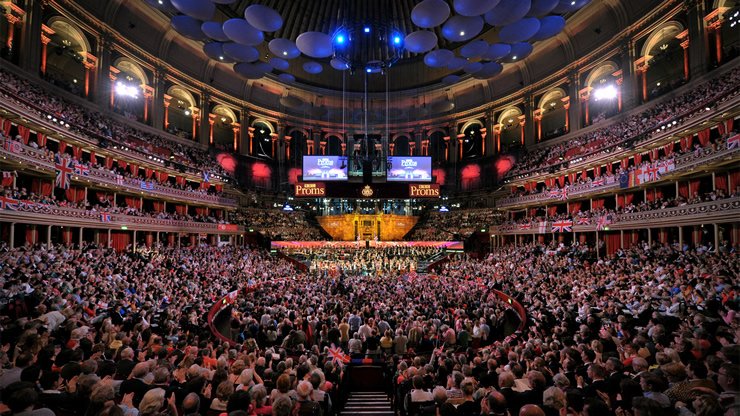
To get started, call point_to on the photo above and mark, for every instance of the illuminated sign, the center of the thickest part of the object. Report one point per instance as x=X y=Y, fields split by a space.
x=367 y=191
x=228 y=227
x=409 y=169
x=424 y=191
x=324 y=168
x=313 y=189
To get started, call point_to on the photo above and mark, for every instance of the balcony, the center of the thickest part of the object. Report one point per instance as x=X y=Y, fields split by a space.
x=29 y=157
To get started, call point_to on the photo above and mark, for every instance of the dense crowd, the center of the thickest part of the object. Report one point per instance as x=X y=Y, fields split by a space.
x=678 y=109
x=445 y=226
x=101 y=128
x=282 y=225
x=651 y=330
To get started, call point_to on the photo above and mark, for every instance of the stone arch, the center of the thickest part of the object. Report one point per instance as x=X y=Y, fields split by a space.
x=182 y=93
x=225 y=112
x=665 y=32
x=128 y=66
x=554 y=94
x=605 y=69
x=66 y=29
x=264 y=122
x=436 y=130
x=510 y=113
x=297 y=129
x=470 y=123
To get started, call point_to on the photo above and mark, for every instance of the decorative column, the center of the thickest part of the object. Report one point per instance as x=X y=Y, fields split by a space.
x=322 y=146
x=566 y=106
x=537 y=114
x=236 y=128
x=211 y=123
x=619 y=81
x=497 y=136
x=106 y=73
x=683 y=37
x=425 y=147
x=698 y=48
x=585 y=96
x=46 y=33
x=713 y=22
x=575 y=115
x=91 y=62
x=250 y=130
x=159 y=112
x=274 y=144
x=194 y=113
x=641 y=67
x=244 y=132
x=392 y=148
x=112 y=76
x=309 y=146
x=31 y=43
x=288 y=141
x=13 y=16
x=522 y=122
x=148 y=97
x=483 y=134
x=166 y=100
x=205 y=119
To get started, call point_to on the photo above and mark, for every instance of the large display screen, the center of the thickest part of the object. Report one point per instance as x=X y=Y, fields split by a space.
x=409 y=169
x=324 y=168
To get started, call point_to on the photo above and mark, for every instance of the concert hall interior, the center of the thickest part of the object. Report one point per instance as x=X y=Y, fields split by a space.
x=370 y=207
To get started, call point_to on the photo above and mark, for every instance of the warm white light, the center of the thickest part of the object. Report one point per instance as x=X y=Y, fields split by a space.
x=221 y=58
x=126 y=90
x=513 y=57
x=187 y=112
x=285 y=53
x=462 y=33
x=608 y=92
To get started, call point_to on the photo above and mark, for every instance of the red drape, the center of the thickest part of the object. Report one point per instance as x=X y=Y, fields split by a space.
x=597 y=203
x=597 y=171
x=158 y=205
x=180 y=209
x=109 y=162
x=704 y=137
x=561 y=180
x=668 y=149
x=170 y=239
x=694 y=187
x=180 y=180
x=638 y=159
x=650 y=194
x=734 y=179
x=654 y=154
x=134 y=169
x=67 y=236
x=620 y=201
x=720 y=182
x=625 y=162
x=132 y=202
x=74 y=194
x=148 y=172
x=550 y=182
x=32 y=234
x=609 y=168
x=584 y=175
x=575 y=206
x=683 y=190
x=77 y=152
x=201 y=210
x=93 y=158
x=658 y=193
x=5 y=125
x=41 y=187
x=613 y=242
x=62 y=146
x=149 y=239
x=220 y=188
x=628 y=198
x=531 y=212
x=551 y=211
x=122 y=164
x=41 y=139
x=120 y=240
x=24 y=132
x=162 y=176
x=219 y=213
x=686 y=143
x=571 y=179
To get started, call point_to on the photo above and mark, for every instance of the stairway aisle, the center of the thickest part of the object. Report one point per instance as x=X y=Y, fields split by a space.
x=367 y=404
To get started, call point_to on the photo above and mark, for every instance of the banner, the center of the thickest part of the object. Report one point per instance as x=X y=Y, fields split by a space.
x=64 y=171
x=310 y=190
x=228 y=227
x=562 y=226
x=424 y=191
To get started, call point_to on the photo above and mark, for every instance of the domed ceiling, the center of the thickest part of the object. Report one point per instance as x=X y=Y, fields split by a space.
x=338 y=44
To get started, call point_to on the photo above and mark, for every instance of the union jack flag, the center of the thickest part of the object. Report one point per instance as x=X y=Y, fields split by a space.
x=8 y=203
x=602 y=222
x=584 y=221
x=652 y=173
x=562 y=226
x=597 y=182
x=64 y=170
x=82 y=169
x=337 y=355
x=554 y=193
x=105 y=217
x=525 y=226
x=11 y=145
x=733 y=142
x=564 y=193
x=119 y=179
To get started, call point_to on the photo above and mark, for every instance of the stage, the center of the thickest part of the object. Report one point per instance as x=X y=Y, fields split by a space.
x=449 y=245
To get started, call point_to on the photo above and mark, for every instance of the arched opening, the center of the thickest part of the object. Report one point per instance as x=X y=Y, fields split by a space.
x=401 y=146
x=472 y=143
x=553 y=114
x=262 y=139
x=182 y=113
x=223 y=129
x=297 y=145
x=603 y=96
x=437 y=147
x=511 y=131
x=129 y=89
x=664 y=56
x=66 y=56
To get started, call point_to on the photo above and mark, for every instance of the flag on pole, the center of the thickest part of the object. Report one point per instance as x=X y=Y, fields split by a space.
x=64 y=170
x=337 y=355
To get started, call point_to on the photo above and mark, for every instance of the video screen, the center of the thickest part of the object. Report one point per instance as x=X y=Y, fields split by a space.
x=409 y=169
x=324 y=168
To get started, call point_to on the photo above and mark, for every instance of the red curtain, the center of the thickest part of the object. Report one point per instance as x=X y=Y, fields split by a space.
x=531 y=213
x=561 y=180
x=628 y=198
x=181 y=209
x=550 y=182
x=571 y=178
x=694 y=187
x=32 y=234
x=24 y=132
x=132 y=202
x=120 y=240
x=122 y=164
x=584 y=175
x=734 y=179
x=625 y=162
x=650 y=194
x=163 y=176
x=67 y=236
x=149 y=239
x=620 y=201
x=638 y=159
x=77 y=152
x=683 y=190
x=134 y=169
x=158 y=205
x=219 y=213
x=5 y=126
x=170 y=239
x=668 y=149
x=220 y=188
x=704 y=137
x=93 y=158
x=41 y=139
x=597 y=171
x=686 y=143
x=148 y=172
x=609 y=168
x=575 y=206
x=75 y=194
x=654 y=154
x=551 y=211
x=180 y=180
x=597 y=203
x=201 y=210
x=613 y=243
x=41 y=187
x=658 y=193
x=109 y=162
x=62 y=146
x=720 y=182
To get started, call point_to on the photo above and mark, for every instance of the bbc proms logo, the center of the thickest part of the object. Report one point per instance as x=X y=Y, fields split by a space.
x=409 y=163
x=324 y=162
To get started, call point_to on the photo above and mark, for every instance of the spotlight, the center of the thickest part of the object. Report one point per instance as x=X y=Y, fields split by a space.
x=126 y=90
x=187 y=112
x=221 y=58
x=396 y=40
x=608 y=92
x=513 y=58
x=340 y=39
x=367 y=29
x=462 y=33
x=368 y=70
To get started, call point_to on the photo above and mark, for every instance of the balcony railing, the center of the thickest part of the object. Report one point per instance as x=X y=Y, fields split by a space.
x=684 y=163
x=720 y=211
x=34 y=213
x=40 y=159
